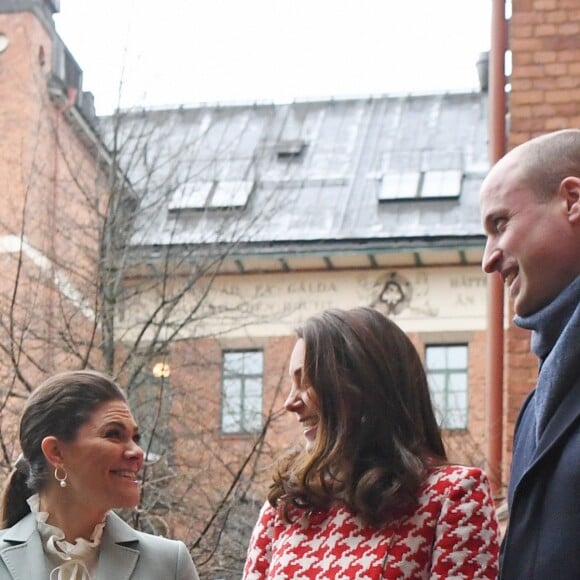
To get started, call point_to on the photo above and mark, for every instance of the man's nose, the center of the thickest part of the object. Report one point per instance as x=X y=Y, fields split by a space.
x=491 y=257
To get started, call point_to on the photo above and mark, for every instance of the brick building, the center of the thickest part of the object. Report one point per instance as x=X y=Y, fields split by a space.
x=53 y=173
x=330 y=204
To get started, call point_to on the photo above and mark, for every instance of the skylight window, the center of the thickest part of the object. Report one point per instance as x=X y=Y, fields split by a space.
x=445 y=183
x=231 y=194
x=192 y=195
x=399 y=185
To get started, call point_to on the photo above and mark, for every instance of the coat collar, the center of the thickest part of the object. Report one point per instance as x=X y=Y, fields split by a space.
x=24 y=556
x=564 y=418
x=119 y=549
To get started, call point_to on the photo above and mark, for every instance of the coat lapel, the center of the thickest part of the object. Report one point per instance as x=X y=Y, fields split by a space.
x=566 y=415
x=24 y=556
x=119 y=550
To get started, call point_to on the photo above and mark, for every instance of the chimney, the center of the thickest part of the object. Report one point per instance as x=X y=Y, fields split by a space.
x=483 y=70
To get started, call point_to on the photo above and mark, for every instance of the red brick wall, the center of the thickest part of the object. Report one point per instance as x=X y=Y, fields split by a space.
x=51 y=189
x=544 y=37
x=48 y=181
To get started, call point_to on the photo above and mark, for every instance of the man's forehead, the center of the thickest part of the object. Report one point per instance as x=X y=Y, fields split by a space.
x=505 y=174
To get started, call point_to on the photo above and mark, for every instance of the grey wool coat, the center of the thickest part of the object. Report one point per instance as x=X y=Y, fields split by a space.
x=125 y=554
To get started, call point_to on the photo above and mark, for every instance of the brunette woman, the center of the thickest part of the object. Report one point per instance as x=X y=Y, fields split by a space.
x=371 y=494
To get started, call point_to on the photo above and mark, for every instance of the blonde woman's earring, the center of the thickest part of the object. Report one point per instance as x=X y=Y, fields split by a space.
x=61 y=479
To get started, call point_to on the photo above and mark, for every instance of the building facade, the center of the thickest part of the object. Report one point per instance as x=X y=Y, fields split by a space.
x=54 y=178
x=331 y=204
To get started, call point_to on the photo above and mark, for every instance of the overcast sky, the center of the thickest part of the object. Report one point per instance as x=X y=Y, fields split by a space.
x=172 y=52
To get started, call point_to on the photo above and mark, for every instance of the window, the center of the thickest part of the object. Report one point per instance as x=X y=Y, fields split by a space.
x=216 y=195
x=396 y=185
x=231 y=194
x=400 y=185
x=445 y=183
x=242 y=391
x=192 y=195
x=447 y=372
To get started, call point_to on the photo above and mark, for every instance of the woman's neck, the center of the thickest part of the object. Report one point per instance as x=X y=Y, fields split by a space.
x=77 y=519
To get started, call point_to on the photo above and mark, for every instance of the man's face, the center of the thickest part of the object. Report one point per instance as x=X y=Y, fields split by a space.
x=528 y=240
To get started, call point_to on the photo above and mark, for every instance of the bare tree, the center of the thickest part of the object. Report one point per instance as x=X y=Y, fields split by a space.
x=103 y=276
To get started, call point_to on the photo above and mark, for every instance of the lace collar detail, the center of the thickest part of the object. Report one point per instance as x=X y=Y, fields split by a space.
x=77 y=557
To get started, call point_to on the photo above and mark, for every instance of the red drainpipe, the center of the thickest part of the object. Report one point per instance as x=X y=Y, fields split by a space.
x=495 y=334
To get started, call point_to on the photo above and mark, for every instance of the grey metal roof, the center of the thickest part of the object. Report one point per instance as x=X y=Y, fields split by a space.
x=313 y=171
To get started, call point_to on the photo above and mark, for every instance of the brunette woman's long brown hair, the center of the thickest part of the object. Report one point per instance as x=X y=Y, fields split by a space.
x=377 y=434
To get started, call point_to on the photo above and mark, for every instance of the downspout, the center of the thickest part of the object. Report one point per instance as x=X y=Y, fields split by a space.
x=495 y=334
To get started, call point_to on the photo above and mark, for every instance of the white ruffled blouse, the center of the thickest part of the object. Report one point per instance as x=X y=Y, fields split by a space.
x=69 y=561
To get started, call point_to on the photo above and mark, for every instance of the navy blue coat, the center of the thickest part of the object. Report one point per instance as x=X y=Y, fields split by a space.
x=543 y=536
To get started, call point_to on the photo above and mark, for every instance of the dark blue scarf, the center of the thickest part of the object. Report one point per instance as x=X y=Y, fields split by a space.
x=556 y=342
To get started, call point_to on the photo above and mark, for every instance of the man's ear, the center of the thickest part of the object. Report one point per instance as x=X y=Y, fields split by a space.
x=570 y=189
x=52 y=449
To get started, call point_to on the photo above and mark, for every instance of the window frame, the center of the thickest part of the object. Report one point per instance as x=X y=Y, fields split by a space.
x=242 y=413
x=415 y=185
x=447 y=372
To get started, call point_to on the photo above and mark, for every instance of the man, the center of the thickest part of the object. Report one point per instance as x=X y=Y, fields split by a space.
x=530 y=206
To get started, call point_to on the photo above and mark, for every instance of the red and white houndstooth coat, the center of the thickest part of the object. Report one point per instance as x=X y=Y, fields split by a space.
x=452 y=534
